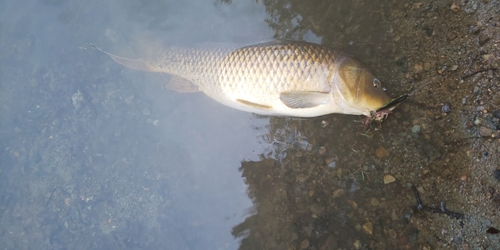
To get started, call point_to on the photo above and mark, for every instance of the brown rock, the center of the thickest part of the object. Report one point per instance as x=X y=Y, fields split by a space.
x=304 y=244
x=485 y=131
x=368 y=228
x=381 y=152
x=418 y=68
x=389 y=179
x=338 y=193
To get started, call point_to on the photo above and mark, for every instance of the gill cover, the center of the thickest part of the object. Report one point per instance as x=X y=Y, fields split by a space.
x=361 y=88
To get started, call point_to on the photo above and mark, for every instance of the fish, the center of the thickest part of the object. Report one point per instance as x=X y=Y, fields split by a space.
x=278 y=78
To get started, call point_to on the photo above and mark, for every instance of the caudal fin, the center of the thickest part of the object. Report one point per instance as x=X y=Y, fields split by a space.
x=137 y=64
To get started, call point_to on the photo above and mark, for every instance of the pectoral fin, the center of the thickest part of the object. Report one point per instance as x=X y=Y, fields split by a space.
x=304 y=99
x=253 y=105
x=181 y=85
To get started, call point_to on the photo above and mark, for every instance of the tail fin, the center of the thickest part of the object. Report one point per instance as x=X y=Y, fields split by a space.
x=137 y=64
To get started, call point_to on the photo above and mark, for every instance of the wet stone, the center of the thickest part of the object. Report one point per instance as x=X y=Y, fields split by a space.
x=485 y=131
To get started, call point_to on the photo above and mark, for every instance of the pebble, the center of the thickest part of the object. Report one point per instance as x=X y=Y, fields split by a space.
x=415 y=129
x=381 y=152
x=368 y=228
x=322 y=150
x=394 y=216
x=389 y=179
x=77 y=99
x=490 y=74
x=374 y=202
x=427 y=66
x=393 y=234
x=446 y=108
x=316 y=208
x=304 y=244
x=463 y=177
x=418 y=68
x=301 y=178
x=476 y=90
x=455 y=7
x=485 y=131
x=357 y=244
x=353 y=204
x=496 y=173
x=496 y=113
x=482 y=39
x=338 y=193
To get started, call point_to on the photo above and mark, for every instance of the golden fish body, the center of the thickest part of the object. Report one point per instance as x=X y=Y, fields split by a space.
x=279 y=78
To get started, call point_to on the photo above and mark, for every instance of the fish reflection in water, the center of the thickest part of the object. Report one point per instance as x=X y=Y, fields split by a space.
x=283 y=78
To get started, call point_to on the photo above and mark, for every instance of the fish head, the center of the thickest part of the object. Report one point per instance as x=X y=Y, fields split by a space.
x=359 y=87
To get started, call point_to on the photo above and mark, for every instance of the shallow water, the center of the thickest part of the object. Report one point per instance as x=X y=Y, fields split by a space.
x=97 y=156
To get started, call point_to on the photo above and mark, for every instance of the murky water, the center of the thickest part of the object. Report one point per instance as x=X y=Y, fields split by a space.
x=97 y=156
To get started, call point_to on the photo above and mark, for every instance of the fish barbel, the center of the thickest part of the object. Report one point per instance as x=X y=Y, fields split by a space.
x=284 y=78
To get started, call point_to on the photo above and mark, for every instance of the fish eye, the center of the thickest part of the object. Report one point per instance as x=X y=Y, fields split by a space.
x=376 y=83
